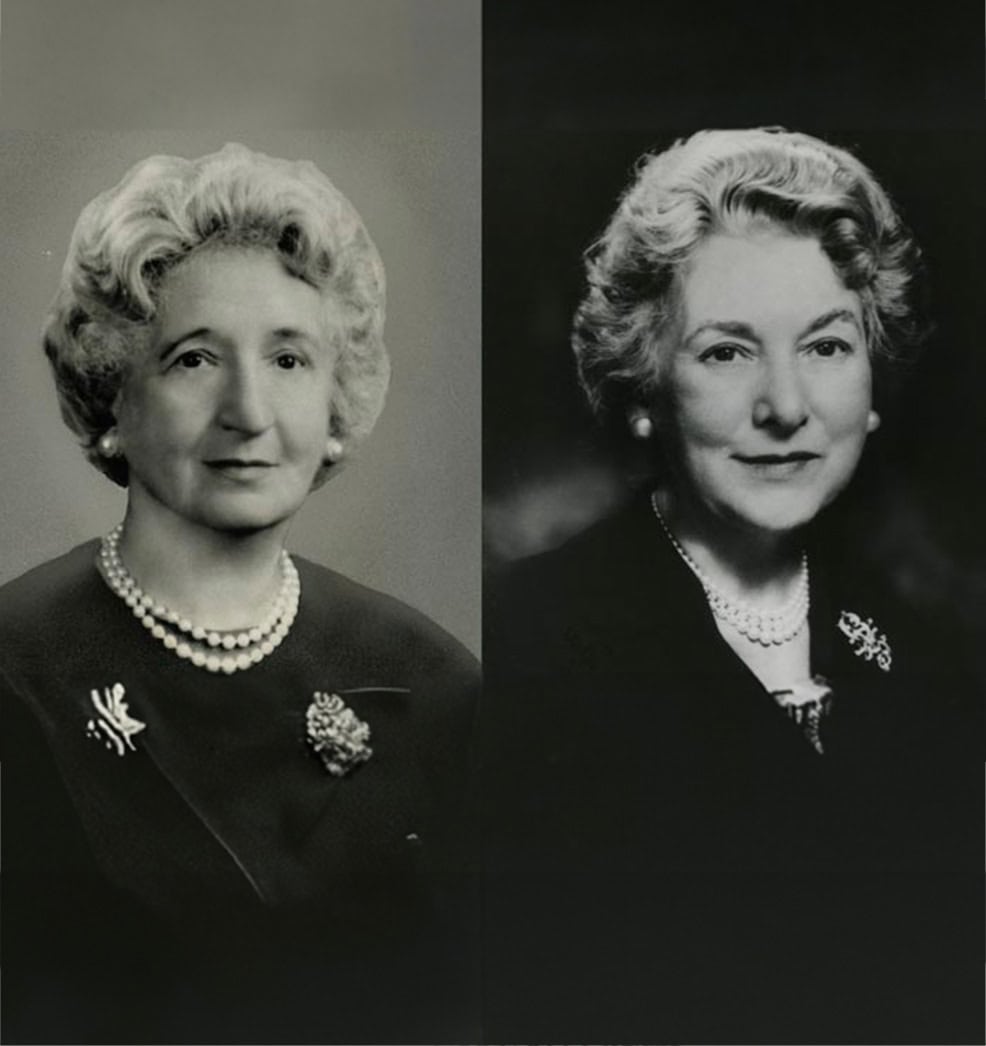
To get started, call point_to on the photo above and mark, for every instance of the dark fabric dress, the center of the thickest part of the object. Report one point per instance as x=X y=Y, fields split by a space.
x=215 y=883
x=669 y=860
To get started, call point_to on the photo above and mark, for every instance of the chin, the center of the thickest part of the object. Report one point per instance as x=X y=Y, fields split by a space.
x=776 y=515
x=243 y=519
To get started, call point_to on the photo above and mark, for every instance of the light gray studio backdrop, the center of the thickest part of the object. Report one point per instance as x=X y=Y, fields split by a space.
x=393 y=87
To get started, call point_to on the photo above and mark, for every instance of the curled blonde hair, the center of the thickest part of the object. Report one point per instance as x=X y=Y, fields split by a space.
x=732 y=181
x=165 y=208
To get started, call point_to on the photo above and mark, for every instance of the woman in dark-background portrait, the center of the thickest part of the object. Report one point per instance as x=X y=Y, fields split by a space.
x=644 y=792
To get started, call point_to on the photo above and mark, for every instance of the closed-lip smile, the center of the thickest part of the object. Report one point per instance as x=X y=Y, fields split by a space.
x=777 y=459
x=239 y=463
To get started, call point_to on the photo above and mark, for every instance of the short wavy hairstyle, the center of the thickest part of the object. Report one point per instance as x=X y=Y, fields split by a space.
x=129 y=237
x=735 y=182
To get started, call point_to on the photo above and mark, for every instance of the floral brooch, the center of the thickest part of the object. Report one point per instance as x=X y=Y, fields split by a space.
x=336 y=734
x=113 y=724
x=865 y=638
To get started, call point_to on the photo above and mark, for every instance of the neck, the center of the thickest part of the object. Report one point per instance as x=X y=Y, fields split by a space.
x=223 y=580
x=743 y=562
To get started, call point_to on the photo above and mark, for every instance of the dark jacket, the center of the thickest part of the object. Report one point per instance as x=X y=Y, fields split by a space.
x=216 y=883
x=669 y=859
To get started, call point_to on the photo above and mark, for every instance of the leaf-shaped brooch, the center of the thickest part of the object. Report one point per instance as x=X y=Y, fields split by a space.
x=866 y=640
x=113 y=724
x=336 y=734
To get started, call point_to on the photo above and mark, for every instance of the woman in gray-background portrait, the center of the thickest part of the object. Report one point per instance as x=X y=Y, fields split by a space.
x=334 y=906
x=411 y=524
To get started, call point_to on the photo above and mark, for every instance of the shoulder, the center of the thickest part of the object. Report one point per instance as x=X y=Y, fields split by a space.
x=49 y=591
x=598 y=562
x=614 y=599
x=44 y=612
x=367 y=619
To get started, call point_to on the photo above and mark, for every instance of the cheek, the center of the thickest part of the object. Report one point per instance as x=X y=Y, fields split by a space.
x=159 y=425
x=152 y=421
x=308 y=422
x=703 y=418
x=847 y=406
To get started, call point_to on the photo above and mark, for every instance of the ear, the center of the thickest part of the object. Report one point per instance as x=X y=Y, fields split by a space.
x=872 y=421
x=116 y=407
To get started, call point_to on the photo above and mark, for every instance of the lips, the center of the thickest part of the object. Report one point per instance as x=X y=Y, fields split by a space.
x=777 y=459
x=240 y=470
x=239 y=463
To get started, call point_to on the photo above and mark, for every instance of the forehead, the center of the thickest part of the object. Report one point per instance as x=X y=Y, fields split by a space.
x=762 y=279
x=235 y=287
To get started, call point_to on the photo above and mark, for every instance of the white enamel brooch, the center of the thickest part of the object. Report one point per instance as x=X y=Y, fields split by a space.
x=112 y=724
x=866 y=640
x=336 y=734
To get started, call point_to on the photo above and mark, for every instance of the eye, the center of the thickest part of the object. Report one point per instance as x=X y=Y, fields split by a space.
x=289 y=361
x=725 y=353
x=828 y=348
x=190 y=360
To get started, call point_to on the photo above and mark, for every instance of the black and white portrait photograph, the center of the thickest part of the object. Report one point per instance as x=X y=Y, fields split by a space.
x=491 y=546
x=733 y=517
x=240 y=619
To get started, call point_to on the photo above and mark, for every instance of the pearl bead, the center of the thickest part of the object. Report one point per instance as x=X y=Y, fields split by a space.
x=764 y=627
x=252 y=645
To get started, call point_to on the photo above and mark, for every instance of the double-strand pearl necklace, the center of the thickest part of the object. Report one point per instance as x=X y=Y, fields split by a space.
x=768 y=628
x=206 y=648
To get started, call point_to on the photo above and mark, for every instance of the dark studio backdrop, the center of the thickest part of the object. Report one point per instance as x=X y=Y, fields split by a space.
x=571 y=103
x=573 y=97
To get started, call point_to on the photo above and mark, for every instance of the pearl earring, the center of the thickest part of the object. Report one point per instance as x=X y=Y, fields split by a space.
x=333 y=450
x=641 y=425
x=109 y=444
x=872 y=421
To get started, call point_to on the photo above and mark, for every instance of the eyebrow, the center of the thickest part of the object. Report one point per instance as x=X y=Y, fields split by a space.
x=832 y=316
x=744 y=330
x=294 y=333
x=279 y=334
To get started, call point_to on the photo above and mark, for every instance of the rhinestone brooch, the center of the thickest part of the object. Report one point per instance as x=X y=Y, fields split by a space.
x=866 y=640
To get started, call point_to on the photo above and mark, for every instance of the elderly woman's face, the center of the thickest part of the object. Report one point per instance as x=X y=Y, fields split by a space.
x=769 y=382
x=224 y=420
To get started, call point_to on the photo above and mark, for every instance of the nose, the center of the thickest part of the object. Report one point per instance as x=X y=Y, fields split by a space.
x=780 y=402
x=245 y=405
